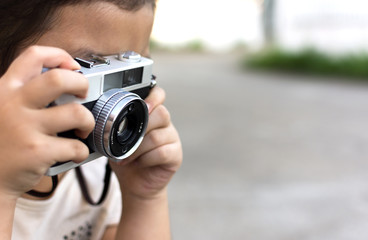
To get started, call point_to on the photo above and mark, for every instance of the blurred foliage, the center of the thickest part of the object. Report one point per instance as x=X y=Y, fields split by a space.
x=309 y=61
x=191 y=46
x=194 y=46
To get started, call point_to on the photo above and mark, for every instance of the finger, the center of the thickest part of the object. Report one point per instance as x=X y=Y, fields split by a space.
x=155 y=98
x=168 y=155
x=30 y=63
x=66 y=149
x=159 y=118
x=67 y=117
x=154 y=139
x=56 y=149
x=52 y=84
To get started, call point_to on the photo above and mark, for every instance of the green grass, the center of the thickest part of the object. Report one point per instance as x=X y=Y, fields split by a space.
x=310 y=61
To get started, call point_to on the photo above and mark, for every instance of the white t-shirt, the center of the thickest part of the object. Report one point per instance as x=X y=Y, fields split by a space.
x=66 y=215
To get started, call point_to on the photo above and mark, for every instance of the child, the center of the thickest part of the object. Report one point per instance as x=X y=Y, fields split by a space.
x=50 y=33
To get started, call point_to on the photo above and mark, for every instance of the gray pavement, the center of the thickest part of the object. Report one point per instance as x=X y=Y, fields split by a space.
x=266 y=156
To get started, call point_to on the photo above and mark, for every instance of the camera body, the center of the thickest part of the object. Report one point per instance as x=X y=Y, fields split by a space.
x=117 y=86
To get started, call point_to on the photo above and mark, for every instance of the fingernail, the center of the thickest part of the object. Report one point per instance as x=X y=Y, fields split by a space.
x=75 y=65
x=149 y=107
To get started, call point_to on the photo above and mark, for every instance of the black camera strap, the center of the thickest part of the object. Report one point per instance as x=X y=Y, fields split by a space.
x=84 y=188
x=82 y=184
x=38 y=194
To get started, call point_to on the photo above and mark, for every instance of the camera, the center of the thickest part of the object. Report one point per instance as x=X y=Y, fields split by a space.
x=117 y=86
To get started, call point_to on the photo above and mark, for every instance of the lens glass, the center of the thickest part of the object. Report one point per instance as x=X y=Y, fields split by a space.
x=128 y=128
x=123 y=125
x=124 y=131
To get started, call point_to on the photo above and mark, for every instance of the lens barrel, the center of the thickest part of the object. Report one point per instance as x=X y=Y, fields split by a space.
x=121 y=121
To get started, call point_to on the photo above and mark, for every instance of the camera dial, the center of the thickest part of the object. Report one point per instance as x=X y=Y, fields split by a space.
x=129 y=57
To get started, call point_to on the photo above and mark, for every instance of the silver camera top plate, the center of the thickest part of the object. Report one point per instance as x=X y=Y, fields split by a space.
x=112 y=75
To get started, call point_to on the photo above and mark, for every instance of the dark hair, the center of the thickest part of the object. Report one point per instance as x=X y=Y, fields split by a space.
x=22 y=22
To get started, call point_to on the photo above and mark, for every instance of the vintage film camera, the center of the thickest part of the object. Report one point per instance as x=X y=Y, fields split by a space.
x=117 y=85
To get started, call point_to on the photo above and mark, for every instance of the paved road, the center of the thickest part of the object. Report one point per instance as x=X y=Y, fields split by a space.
x=265 y=156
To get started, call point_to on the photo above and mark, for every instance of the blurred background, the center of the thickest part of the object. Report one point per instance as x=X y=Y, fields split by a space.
x=270 y=99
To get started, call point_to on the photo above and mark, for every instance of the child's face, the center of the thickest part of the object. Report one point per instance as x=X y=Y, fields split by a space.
x=100 y=28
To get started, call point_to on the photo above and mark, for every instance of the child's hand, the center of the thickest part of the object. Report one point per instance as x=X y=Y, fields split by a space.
x=146 y=173
x=28 y=141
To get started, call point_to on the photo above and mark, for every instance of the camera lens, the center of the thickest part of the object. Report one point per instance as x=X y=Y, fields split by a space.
x=121 y=121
